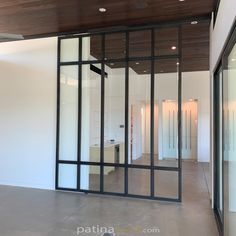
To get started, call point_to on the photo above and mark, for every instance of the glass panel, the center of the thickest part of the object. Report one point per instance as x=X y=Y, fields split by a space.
x=67 y=176
x=139 y=181
x=92 y=48
x=166 y=184
x=166 y=41
x=114 y=133
x=90 y=177
x=69 y=50
x=140 y=43
x=230 y=145
x=139 y=112
x=68 y=113
x=114 y=179
x=166 y=113
x=115 y=46
x=91 y=113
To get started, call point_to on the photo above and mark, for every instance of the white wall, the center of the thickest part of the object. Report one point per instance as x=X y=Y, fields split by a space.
x=28 y=112
x=218 y=39
x=225 y=18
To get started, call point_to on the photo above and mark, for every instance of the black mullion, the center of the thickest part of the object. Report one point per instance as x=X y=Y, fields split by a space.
x=58 y=112
x=163 y=168
x=180 y=115
x=79 y=114
x=109 y=60
x=126 y=114
x=152 y=113
x=223 y=90
x=102 y=116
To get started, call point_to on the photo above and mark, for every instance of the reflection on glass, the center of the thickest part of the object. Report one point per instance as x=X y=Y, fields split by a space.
x=67 y=176
x=139 y=112
x=140 y=43
x=114 y=117
x=166 y=113
x=139 y=182
x=166 y=41
x=114 y=179
x=230 y=145
x=68 y=113
x=166 y=184
x=69 y=50
x=91 y=113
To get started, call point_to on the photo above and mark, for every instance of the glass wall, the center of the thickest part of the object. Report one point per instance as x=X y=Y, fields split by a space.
x=225 y=140
x=229 y=136
x=118 y=113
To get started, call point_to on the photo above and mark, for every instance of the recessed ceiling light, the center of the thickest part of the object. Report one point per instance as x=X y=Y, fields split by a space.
x=137 y=63
x=105 y=58
x=233 y=59
x=194 y=22
x=162 y=71
x=173 y=47
x=144 y=71
x=102 y=9
x=112 y=64
x=177 y=63
x=182 y=0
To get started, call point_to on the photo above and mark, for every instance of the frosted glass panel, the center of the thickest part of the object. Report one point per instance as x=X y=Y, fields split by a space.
x=68 y=113
x=69 y=50
x=67 y=176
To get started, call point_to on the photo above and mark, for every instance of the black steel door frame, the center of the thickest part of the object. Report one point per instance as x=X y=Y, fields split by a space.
x=222 y=65
x=218 y=101
x=126 y=60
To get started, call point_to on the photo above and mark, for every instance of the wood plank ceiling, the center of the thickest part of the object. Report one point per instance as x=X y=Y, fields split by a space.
x=35 y=18
x=195 y=48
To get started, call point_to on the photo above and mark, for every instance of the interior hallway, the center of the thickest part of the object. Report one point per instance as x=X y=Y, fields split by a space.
x=32 y=212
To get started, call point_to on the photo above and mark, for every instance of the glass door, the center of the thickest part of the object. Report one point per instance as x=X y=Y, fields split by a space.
x=229 y=137
x=116 y=92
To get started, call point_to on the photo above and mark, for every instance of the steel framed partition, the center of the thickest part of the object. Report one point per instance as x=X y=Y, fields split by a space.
x=223 y=184
x=103 y=61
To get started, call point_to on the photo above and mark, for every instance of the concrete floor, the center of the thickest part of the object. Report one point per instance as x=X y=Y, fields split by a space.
x=32 y=212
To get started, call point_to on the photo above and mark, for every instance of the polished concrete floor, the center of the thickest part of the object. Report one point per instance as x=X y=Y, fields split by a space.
x=32 y=212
